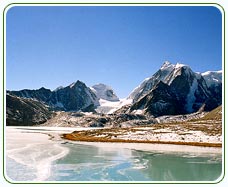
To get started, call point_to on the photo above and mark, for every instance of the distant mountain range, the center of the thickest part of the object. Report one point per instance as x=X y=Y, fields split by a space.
x=173 y=89
x=76 y=96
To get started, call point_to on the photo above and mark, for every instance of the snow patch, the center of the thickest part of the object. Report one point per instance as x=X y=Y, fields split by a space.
x=178 y=65
x=166 y=65
x=137 y=111
x=108 y=107
x=72 y=85
x=212 y=72
x=87 y=113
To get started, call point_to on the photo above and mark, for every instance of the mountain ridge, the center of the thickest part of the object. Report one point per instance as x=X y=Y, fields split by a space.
x=186 y=89
x=173 y=88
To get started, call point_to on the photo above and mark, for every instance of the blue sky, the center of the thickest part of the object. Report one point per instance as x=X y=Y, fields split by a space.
x=118 y=46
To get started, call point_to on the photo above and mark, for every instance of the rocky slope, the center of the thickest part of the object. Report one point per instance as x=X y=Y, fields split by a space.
x=214 y=83
x=82 y=119
x=176 y=89
x=199 y=129
x=25 y=112
x=214 y=115
x=30 y=107
x=147 y=85
x=159 y=101
x=74 y=97
x=85 y=119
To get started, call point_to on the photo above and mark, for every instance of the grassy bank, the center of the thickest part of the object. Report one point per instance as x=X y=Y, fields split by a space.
x=118 y=135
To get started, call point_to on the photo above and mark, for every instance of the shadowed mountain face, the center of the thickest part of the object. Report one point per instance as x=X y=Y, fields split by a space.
x=159 y=101
x=30 y=107
x=41 y=94
x=26 y=112
x=74 y=97
x=176 y=89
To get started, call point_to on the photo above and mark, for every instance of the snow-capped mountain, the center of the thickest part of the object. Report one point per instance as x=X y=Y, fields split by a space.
x=104 y=92
x=148 y=83
x=212 y=78
x=214 y=83
x=108 y=100
x=158 y=102
x=173 y=89
x=76 y=96
x=176 y=89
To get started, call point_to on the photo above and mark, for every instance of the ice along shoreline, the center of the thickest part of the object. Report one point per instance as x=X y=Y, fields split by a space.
x=39 y=148
x=55 y=134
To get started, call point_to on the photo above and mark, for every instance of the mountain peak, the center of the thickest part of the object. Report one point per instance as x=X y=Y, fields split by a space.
x=179 y=65
x=77 y=83
x=101 y=85
x=58 y=88
x=166 y=65
x=189 y=90
x=105 y=92
x=42 y=88
x=72 y=85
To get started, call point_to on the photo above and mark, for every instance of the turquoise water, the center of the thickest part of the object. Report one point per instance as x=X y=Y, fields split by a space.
x=92 y=163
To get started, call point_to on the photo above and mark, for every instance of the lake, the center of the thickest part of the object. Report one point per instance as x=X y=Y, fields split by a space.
x=59 y=160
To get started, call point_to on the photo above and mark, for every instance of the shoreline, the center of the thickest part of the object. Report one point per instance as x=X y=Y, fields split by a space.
x=64 y=134
x=156 y=134
x=101 y=140
x=39 y=149
x=87 y=135
x=160 y=148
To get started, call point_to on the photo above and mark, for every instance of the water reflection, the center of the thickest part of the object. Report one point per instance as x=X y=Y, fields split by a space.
x=182 y=167
x=90 y=163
